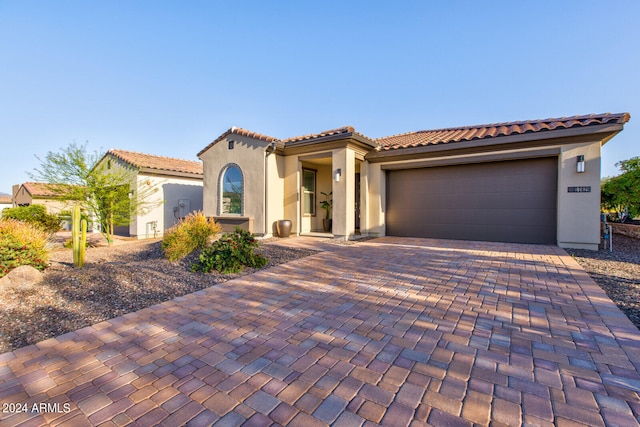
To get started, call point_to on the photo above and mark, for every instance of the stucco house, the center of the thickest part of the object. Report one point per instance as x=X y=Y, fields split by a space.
x=177 y=184
x=5 y=202
x=39 y=193
x=535 y=181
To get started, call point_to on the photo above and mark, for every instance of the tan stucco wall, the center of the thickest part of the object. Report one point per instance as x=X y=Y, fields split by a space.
x=579 y=213
x=249 y=155
x=54 y=207
x=275 y=192
x=344 y=194
x=292 y=177
x=373 y=199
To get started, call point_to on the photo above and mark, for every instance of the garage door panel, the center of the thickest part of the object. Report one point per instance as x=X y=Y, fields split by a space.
x=512 y=201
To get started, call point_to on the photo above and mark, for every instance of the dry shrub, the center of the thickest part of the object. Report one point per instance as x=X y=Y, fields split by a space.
x=21 y=244
x=191 y=233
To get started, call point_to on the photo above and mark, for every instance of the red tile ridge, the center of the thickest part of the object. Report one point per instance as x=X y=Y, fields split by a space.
x=44 y=189
x=468 y=133
x=152 y=161
x=255 y=135
x=330 y=132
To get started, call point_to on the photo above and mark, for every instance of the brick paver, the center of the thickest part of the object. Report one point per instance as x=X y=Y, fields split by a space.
x=395 y=331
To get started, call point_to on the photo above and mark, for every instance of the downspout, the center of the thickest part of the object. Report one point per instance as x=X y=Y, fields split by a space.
x=270 y=149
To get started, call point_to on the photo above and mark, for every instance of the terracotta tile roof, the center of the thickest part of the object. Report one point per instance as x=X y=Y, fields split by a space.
x=469 y=133
x=330 y=132
x=6 y=200
x=160 y=163
x=242 y=132
x=45 y=190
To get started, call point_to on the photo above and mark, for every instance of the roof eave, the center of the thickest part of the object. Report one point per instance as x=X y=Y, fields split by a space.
x=234 y=131
x=602 y=132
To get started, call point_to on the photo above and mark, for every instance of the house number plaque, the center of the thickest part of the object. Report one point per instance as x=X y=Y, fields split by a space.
x=586 y=189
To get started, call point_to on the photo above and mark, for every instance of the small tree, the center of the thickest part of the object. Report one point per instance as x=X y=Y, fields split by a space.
x=622 y=193
x=110 y=193
x=327 y=204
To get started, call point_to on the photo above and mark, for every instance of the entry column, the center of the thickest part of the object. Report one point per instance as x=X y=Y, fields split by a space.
x=343 y=176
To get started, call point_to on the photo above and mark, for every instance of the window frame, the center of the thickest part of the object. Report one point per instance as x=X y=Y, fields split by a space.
x=314 y=192
x=221 y=206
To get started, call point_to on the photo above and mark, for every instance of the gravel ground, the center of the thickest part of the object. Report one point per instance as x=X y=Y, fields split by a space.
x=115 y=281
x=617 y=273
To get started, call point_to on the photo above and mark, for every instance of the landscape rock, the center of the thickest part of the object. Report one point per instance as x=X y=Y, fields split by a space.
x=21 y=278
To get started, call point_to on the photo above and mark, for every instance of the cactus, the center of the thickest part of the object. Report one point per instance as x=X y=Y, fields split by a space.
x=78 y=237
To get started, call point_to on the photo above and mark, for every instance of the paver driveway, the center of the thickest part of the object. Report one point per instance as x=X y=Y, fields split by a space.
x=390 y=331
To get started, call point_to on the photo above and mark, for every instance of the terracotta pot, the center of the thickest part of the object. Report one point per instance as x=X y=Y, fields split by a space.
x=283 y=227
x=327 y=225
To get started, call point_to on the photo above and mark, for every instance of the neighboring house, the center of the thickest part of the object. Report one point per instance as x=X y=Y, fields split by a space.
x=39 y=193
x=532 y=181
x=5 y=202
x=179 y=185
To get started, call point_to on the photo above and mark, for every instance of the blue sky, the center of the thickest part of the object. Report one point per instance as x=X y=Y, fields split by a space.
x=167 y=78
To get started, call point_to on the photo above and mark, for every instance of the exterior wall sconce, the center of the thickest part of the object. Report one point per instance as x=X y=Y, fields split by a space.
x=580 y=164
x=337 y=174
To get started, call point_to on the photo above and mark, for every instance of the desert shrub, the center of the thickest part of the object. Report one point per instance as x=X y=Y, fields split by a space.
x=191 y=233
x=36 y=215
x=21 y=244
x=230 y=254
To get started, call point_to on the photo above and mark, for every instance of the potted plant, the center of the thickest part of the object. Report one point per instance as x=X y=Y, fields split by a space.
x=327 y=204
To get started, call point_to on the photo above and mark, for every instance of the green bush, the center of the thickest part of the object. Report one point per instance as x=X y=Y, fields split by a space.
x=189 y=234
x=21 y=244
x=230 y=254
x=36 y=215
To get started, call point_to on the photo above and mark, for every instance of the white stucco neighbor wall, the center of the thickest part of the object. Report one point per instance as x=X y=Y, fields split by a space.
x=4 y=206
x=167 y=193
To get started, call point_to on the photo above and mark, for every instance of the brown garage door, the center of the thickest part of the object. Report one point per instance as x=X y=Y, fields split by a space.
x=510 y=201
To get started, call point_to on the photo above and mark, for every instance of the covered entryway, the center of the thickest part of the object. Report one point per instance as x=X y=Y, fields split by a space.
x=507 y=201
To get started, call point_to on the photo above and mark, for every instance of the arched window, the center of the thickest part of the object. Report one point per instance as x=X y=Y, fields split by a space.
x=232 y=190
